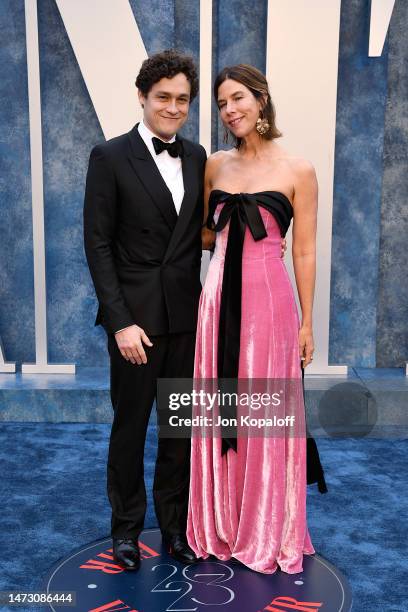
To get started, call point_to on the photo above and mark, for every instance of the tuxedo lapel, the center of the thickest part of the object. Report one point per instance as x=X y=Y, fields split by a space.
x=190 y=180
x=148 y=173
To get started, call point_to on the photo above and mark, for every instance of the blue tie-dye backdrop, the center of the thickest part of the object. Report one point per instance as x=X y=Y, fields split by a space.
x=369 y=291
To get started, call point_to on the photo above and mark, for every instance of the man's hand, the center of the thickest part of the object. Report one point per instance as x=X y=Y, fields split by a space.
x=284 y=246
x=129 y=341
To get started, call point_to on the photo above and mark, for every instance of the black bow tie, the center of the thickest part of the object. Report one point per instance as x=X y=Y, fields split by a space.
x=175 y=149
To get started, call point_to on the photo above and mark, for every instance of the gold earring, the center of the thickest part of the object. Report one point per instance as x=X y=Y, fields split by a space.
x=262 y=125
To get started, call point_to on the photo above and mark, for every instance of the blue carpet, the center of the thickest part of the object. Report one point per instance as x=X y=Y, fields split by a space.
x=53 y=500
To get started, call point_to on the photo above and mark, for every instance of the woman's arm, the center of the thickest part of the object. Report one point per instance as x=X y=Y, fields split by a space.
x=304 y=251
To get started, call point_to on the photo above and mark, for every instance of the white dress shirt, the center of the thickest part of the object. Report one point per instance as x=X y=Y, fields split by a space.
x=169 y=167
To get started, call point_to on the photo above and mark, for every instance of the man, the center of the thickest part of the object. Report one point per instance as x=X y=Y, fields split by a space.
x=143 y=214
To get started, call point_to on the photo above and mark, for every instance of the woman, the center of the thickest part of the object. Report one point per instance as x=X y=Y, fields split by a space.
x=248 y=494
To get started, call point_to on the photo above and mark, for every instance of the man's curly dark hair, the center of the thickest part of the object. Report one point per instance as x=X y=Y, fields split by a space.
x=167 y=64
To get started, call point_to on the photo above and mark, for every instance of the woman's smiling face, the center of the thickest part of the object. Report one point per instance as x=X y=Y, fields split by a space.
x=239 y=109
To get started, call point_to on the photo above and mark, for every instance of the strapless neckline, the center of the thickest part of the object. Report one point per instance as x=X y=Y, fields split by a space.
x=254 y=193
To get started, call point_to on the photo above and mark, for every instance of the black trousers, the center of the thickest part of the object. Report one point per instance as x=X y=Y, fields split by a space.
x=133 y=390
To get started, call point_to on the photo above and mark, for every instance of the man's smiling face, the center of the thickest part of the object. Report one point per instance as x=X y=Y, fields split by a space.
x=166 y=105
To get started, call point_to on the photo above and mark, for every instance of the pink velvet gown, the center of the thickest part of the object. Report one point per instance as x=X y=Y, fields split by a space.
x=251 y=504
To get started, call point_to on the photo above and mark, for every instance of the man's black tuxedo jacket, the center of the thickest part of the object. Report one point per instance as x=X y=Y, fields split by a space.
x=144 y=259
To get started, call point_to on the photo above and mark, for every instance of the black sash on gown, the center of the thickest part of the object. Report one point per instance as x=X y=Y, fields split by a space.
x=242 y=210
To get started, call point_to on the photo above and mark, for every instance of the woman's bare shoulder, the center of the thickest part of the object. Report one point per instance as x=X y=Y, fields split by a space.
x=305 y=183
x=216 y=161
x=302 y=168
x=219 y=157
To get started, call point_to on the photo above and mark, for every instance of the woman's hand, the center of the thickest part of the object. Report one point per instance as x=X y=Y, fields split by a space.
x=207 y=239
x=306 y=345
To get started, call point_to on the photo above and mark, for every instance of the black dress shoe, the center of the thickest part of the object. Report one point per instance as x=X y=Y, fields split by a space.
x=126 y=553
x=177 y=547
